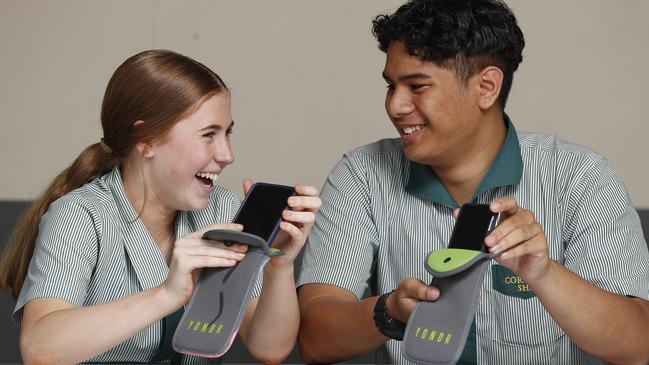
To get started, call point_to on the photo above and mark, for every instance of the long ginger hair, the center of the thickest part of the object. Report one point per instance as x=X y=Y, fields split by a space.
x=157 y=87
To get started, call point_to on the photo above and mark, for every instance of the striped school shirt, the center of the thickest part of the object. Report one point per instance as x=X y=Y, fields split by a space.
x=92 y=249
x=382 y=214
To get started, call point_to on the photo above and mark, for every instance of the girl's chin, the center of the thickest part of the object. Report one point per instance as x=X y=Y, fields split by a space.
x=196 y=204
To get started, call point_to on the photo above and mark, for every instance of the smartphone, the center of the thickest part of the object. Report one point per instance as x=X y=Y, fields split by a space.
x=473 y=224
x=261 y=210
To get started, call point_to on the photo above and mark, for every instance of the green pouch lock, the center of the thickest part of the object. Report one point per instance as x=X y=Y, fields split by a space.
x=450 y=261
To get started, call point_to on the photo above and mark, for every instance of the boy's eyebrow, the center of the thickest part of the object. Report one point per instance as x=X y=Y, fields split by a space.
x=412 y=76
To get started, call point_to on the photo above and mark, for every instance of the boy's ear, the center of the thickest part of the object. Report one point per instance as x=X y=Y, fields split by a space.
x=490 y=81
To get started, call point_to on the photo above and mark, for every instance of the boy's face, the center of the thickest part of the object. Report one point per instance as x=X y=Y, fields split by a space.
x=435 y=113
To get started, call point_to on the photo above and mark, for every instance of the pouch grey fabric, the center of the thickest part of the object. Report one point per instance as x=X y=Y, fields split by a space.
x=437 y=331
x=215 y=311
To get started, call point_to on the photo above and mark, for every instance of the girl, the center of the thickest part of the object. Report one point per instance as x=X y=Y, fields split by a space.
x=102 y=264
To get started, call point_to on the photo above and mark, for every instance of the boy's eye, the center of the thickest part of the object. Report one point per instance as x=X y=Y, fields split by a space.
x=390 y=87
x=416 y=86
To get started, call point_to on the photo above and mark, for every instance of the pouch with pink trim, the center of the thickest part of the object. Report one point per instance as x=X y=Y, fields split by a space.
x=215 y=311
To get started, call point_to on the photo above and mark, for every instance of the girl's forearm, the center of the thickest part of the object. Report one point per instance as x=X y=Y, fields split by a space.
x=73 y=335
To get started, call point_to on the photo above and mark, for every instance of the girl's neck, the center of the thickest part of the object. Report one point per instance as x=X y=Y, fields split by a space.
x=157 y=218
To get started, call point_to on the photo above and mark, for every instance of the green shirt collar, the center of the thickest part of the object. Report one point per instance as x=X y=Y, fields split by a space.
x=507 y=169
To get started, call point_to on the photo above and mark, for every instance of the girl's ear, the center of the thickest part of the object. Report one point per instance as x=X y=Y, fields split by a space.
x=145 y=149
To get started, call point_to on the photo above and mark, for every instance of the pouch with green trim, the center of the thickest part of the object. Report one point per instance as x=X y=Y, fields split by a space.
x=436 y=332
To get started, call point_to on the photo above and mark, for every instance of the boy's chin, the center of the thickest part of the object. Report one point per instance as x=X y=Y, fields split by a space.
x=421 y=155
x=415 y=155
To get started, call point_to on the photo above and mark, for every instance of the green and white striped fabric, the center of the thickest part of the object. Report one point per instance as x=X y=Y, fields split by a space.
x=92 y=249
x=382 y=214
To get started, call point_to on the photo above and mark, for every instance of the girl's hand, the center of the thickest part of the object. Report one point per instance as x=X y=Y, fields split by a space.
x=192 y=253
x=297 y=223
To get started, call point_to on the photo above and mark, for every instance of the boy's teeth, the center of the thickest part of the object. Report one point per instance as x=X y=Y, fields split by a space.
x=410 y=130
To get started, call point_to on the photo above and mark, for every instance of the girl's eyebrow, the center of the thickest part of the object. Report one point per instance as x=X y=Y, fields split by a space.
x=216 y=126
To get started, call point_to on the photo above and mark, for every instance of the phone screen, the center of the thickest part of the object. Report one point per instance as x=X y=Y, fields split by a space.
x=261 y=210
x=473 y=224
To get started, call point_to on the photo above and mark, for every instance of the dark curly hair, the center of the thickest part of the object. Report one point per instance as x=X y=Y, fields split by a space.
x=461 y=35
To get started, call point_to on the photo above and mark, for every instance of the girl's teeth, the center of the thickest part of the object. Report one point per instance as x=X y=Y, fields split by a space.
x=212 y=177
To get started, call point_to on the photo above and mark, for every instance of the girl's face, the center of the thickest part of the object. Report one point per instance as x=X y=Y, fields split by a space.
x=183 y=168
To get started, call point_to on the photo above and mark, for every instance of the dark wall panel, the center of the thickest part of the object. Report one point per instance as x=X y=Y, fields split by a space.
x=644 y=219
x=9 y=214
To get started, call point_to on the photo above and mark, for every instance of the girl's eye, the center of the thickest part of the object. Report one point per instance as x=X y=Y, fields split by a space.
x=229 y=132
x=209 y=135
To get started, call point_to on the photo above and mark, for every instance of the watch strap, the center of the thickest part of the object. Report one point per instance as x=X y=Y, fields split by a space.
x=387 y=325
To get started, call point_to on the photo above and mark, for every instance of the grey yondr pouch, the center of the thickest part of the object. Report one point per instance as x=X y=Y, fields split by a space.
x=436 y=332
x=215 y=311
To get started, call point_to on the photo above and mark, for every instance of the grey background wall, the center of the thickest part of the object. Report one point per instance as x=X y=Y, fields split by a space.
x=306 y=85
x=305 y=78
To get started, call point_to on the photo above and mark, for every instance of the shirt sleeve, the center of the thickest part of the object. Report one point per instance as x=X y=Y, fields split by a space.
x=65 y=255
x=341 y=247
x=603 y=235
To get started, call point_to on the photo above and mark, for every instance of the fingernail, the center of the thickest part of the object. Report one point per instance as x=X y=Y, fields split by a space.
x=495 y=206
x=292 y=201
x=496 y=248
x=490 y=240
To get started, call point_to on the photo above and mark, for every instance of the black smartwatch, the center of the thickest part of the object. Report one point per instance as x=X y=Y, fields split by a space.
x=388 y=326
